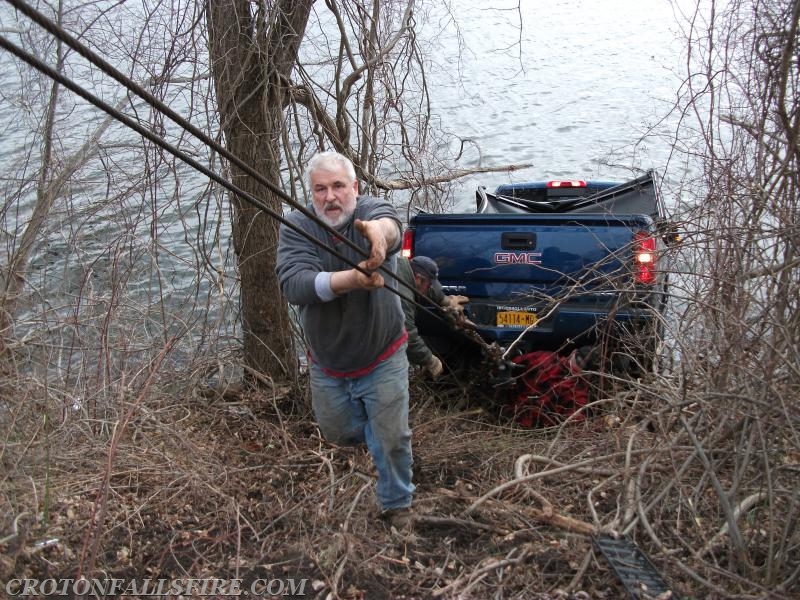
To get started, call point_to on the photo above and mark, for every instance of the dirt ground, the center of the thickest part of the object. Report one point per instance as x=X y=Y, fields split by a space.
x=240 y=485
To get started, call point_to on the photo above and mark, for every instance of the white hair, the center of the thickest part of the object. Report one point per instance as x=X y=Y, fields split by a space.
x=328 y=159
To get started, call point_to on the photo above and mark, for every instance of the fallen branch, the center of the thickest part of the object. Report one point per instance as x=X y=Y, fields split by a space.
x=740 y=508
x=525 y=458
x=455 y=522
x=564 y=522
x=572 y=467
x=480 y=573
x=404 y=183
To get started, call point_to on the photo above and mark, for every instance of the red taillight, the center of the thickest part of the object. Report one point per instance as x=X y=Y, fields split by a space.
x=565 y=184
x=644 y=258
x=408 y=243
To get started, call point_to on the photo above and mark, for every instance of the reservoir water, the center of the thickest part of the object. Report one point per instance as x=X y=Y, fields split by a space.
x=578 y=88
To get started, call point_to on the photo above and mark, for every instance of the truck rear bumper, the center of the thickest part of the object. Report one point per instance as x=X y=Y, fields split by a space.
x=577 y=326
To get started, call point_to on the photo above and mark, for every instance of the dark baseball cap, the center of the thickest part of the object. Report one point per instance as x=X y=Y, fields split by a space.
x=427 y=267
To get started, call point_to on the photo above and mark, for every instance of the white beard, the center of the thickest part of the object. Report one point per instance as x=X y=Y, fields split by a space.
x=343 y=218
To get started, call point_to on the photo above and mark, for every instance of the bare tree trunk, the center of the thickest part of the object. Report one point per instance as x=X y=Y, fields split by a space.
x=252 y=56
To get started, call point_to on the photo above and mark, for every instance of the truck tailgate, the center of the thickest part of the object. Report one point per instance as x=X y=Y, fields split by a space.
x=563 y=273
x=502 y=256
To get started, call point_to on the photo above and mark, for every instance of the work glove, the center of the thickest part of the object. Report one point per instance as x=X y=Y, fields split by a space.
x=456 y=303
x=434 y=367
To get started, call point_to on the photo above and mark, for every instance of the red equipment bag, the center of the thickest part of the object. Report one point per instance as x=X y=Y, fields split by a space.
x=550 y=389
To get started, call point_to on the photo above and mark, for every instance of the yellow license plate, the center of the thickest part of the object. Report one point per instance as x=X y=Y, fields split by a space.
x=516 y=319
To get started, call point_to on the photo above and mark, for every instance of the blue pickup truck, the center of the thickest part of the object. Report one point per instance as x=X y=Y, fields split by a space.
x=555 y=264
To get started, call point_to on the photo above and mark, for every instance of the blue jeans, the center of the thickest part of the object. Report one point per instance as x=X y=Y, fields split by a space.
x=372 y=409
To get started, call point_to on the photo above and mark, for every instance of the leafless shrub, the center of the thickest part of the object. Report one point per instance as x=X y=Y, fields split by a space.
x=727 y=511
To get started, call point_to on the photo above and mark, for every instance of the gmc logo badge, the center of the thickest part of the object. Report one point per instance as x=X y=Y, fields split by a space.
x=517 y=258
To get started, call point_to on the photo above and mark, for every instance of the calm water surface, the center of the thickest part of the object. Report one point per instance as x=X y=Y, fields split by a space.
x=581 y=89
